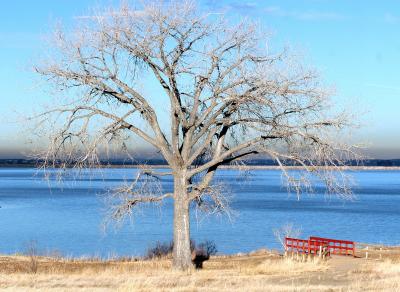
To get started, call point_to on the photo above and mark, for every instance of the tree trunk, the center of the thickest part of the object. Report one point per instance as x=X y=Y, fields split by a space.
x=181 y=255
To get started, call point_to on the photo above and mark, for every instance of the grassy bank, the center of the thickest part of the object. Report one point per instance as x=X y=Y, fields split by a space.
x=260 y=271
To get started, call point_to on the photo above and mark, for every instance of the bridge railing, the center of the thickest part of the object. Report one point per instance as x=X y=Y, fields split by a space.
x=296 y=244
x=315 y=245
x=337 y=246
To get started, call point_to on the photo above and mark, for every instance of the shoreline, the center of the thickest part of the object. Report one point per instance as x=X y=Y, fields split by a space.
x=361 y=248
x=228 y=167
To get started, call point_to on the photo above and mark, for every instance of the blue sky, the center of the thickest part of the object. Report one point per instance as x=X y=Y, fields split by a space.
x=354 y=44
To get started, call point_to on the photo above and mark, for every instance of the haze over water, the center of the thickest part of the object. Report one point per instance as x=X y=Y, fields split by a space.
x=68 y=217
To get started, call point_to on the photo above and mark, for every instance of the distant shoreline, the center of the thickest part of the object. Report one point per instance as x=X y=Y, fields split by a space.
x=229 y=167
x=262 y=167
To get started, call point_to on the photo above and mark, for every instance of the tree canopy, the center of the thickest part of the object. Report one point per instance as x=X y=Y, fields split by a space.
x=227 y=97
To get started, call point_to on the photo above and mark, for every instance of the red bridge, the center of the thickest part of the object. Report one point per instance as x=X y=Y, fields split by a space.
x=315 y=245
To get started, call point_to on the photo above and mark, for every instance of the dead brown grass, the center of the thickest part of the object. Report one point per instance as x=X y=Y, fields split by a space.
x=378 y=276
x=262 y=271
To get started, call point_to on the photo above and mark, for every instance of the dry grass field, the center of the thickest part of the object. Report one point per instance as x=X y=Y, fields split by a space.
x=258 y=271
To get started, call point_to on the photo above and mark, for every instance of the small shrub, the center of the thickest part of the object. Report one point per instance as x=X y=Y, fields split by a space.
x=160 y=250
x=208 y=248
x=32 y=253
x=287 y=230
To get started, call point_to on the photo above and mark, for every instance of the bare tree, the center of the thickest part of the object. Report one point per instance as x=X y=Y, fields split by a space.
x=226 y=95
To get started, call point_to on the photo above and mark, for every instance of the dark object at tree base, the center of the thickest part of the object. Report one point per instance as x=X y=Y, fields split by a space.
x=198 y=257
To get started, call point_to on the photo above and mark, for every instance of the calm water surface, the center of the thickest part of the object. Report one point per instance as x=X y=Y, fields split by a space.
x=68 y=217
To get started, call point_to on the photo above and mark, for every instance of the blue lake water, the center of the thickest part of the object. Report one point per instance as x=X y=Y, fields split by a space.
x=68 y=217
